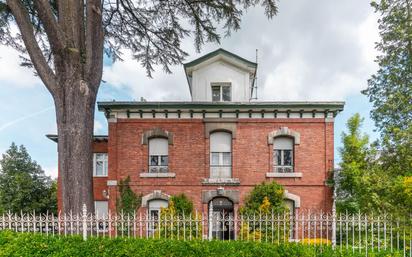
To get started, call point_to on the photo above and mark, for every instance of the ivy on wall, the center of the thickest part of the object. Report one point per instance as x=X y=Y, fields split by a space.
x=128 y=202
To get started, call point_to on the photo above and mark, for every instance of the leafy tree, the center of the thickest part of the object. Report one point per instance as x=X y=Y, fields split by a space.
x=265 y=197
x=129 y=201
x=362 y=184
x=64 y=41
x=353 y=166
x=23 y=184
x=390 y=89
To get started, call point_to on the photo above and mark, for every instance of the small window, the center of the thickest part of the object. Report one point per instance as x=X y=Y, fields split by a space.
x=100 y=164
x=158 y=155
x=154 y=211
x=283 y=155
x=221 y=92
x=101 y=209
x=220 y=155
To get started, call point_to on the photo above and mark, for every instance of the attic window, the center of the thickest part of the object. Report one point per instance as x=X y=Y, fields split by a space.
x=221 y=92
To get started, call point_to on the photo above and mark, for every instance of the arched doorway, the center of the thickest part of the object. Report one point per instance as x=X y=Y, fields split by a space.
x=222 y=222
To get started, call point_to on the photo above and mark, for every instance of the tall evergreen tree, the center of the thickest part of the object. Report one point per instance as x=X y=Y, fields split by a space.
x=353 y=166
x=23 y=184
x=64 y=41
x=390 y=89
x=362 y=184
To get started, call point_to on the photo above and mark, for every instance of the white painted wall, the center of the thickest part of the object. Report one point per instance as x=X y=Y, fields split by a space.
x=220 y=71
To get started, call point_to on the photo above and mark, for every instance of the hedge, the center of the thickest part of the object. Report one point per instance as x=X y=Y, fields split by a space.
x=24 y=244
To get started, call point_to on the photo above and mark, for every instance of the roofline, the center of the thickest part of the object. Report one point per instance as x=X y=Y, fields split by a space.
x=96 y=138
x=114 y=105
x=214 y=53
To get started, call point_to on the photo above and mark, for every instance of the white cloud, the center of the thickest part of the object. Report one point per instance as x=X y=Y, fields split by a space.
x=98 y=126
x=326 y=53
x=130 y=75
x=51 y=171
x=11 y=73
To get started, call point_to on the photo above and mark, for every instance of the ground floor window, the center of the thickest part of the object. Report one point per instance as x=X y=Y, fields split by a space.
x=154 y=211
x=101 y=209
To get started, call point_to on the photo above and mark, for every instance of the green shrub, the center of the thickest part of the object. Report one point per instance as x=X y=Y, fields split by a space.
x=24 y=244
x=266 y=197
x=178 y=221
x=182 y=204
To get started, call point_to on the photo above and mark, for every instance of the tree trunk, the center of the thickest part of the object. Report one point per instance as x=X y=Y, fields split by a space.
x=75 y=105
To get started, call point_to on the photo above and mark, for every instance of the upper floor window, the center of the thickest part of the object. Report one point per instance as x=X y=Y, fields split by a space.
x=283 y=154
x=100 y=164
x=158 y=155
x=221 y=92
x=220 y=155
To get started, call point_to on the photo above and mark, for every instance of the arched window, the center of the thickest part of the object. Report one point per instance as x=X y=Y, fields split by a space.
x=158 y=155
x=283 y=154
x=220 y=155
x=155 y=206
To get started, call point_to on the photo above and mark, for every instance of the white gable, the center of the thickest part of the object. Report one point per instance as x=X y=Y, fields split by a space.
x=220 y=69
x=220 y=72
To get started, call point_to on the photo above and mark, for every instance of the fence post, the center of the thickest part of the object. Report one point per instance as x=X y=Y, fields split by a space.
x=334 y=225
x=334 y=195
x=84 y=219
x=210 y=226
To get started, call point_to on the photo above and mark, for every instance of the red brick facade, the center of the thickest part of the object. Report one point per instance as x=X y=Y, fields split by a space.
x=189 y=159
x=221 y=85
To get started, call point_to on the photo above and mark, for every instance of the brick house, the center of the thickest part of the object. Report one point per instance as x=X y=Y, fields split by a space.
x=216 y=147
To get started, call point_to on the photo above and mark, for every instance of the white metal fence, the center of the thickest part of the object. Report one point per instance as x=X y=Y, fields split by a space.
x=358 y=232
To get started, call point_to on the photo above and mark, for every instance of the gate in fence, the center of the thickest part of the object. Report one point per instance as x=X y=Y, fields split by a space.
x=363 y=233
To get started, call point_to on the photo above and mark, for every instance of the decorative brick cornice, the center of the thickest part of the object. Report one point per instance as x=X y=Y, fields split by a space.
x=284 y=131
x=157 y=194
x=211 y=127
x=233 y=195
x=292 y=197
x=157 y=132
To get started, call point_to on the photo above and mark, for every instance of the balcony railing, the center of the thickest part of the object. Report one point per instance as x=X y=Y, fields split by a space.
x=158 y=169
x=221 y=171
x=283 y=169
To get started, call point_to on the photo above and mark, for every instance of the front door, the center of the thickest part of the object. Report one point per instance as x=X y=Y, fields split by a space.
x=222 y=222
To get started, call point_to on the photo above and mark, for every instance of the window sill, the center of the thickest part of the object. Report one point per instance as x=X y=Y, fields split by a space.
x=100 y=176
x=221 y=181
x=157 y=175
x=284 y=175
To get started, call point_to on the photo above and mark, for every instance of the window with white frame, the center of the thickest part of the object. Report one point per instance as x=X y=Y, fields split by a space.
x=154 y=210
x=101 y=209
x=221 y=92
x=283 y=154
x=220 y=155
x=100 y=164
x=158 y=155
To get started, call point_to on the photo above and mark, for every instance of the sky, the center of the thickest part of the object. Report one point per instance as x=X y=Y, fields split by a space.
x=312 y=50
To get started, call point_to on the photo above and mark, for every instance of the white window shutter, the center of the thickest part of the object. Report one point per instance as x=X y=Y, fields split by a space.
x=220 y=142
x=283 y=143
x=158 y=146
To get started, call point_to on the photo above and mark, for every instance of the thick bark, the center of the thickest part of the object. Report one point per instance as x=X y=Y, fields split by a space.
x=75 y=119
